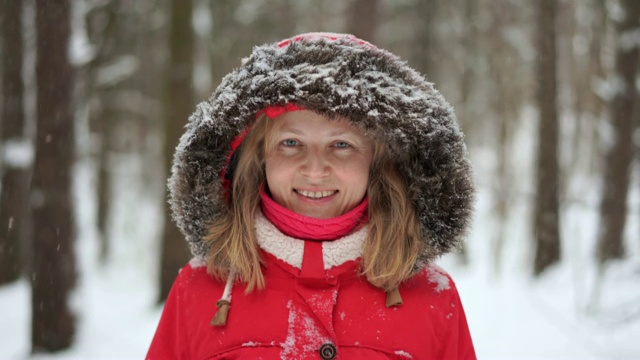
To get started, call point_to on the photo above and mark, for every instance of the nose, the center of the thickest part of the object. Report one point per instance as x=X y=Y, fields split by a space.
x=315 y=165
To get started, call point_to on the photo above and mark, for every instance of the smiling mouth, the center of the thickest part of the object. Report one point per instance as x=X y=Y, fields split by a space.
x=315 y=194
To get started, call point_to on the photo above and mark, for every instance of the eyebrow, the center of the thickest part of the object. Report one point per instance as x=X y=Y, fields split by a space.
x=289 y=130
x=333 y=133
x=340 y=133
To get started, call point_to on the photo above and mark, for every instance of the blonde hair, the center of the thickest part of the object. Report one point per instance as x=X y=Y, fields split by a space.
x=393 y=240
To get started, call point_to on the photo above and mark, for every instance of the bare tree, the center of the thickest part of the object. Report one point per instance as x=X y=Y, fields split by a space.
x=585 y=40
x=546 y=212
x=613 y=205
x=53 y=324
x=100 y=24
x=364 y=18
x=425 y=43
x=123 y=90
x=505 y=64
x=178 y=104
x=222 y=47
x=14 y=210
x=232 y=39
x=468 y=70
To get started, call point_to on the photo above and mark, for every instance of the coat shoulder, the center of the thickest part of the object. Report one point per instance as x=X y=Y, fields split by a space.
x=194 y=275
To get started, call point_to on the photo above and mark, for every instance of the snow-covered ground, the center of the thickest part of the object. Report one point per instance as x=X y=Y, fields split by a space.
x=571 y=312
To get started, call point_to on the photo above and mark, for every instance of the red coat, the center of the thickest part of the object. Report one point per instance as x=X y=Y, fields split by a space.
x=293 y=317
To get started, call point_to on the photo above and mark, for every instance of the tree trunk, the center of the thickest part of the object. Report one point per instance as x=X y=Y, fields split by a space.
x=53 y=324
x=363 y=19
x=466 y=111
x=504 y=63
x=222 y=51
x=179 y=103
x=595 y=105
x=102 y=119
x=501 y=191
x=585 y=69
x=613 y=205
x=100 y=24
x=14 y=211
x=468 y=75
x=424 y=46
x=546 y=212
x=124 y=87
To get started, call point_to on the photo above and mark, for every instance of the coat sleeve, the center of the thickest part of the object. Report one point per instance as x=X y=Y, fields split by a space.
x=169 y=341
x=457 y=343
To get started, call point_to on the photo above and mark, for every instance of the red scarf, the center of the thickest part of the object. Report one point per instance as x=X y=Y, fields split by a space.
x=309 y=228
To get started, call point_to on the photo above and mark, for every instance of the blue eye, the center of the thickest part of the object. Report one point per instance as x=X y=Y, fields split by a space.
x=289 y=142
x=341 y=144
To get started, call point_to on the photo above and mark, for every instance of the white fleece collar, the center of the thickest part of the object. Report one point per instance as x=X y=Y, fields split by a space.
x=290 y=250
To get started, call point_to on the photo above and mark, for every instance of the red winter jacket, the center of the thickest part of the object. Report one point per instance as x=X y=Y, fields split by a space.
x=306 y=313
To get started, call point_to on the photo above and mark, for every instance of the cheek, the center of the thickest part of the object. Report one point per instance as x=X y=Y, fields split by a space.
x=276 y=174
x=269 y=173
x=357 y=176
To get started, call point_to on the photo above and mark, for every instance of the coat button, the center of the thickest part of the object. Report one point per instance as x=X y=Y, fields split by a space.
x=328 y=351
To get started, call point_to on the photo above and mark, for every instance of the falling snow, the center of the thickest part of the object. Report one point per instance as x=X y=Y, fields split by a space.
x=123 y=294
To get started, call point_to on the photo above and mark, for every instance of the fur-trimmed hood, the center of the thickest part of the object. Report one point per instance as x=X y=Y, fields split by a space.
x=335 y=75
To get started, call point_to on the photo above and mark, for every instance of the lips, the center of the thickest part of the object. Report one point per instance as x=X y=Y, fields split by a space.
x=316 y=194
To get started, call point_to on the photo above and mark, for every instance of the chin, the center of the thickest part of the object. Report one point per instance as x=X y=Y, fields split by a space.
x=318 y=214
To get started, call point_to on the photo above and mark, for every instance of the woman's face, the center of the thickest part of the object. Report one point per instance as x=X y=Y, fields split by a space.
x=318 y=167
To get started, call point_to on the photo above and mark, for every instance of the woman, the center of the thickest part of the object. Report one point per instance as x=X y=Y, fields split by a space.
x=316 y=187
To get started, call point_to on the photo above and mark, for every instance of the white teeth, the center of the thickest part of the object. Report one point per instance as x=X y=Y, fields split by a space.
x=315 y=194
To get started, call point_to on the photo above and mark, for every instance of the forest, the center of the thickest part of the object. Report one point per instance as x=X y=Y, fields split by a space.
x=94 y=95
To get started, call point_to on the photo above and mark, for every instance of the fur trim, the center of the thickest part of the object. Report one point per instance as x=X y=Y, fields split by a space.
x=341 y=76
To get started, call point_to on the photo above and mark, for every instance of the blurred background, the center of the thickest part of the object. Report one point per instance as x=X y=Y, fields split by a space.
x=94 y=95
